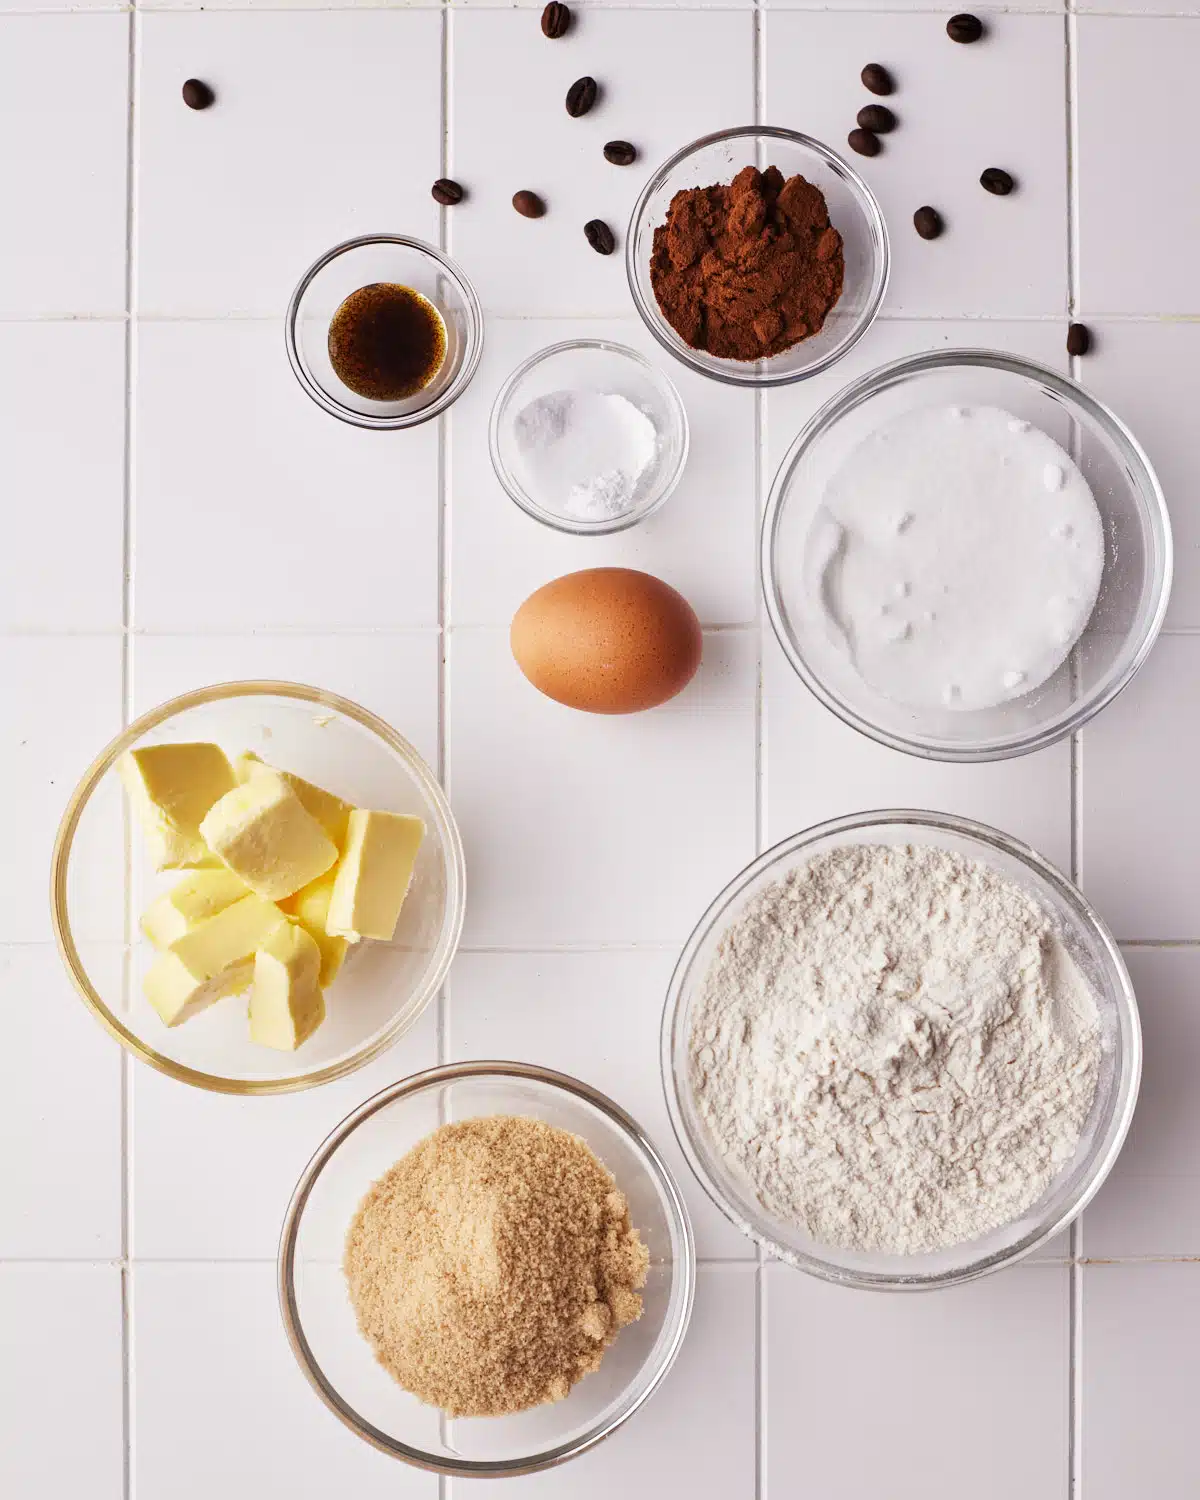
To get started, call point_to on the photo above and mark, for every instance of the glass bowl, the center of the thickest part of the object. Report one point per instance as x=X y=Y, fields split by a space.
x=320 y=1322
x=1088 y=941
x=853 y=212
x=1135 y=584
x=358 y=263
x=589 y=365
x=102 y=881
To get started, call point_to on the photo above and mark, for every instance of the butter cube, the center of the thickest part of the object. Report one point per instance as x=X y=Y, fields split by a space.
x=286 y=1003
x=230 y=936
x=264 y=834
x=198 y=896
x=178 y=993
x=331 y=812
x=373 y=874
x=310 y=907
x=171 y=788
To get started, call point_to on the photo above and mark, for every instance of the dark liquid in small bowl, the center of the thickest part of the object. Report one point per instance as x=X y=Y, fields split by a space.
x=386 y=341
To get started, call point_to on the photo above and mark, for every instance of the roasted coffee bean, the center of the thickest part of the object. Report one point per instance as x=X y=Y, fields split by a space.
x=556 y=20
x=581 y=96
x=197 y=95
x=877 y=118
x=877 y=80
x=620 y=153
x=600 y=237
x=964 y=28
x=447 y=192
x=1079 y=339
x=865 y=142
x=928 y=223
x=996 y=180
x=528 y=204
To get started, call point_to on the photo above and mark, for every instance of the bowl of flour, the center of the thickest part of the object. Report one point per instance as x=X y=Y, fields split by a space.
x=900 y=1050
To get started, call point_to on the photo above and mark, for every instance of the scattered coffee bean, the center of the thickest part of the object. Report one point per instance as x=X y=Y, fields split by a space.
x=581 y=96
x=928 y=223
x=528 y=204
x=446 y=192
x=620 y=153
x=877 y=80
x=877 y=118
x=865 y=142
x=996 y=180
x=964 y=28
x=600 y=237
x=556 y=20
x=197 y=95
x=1079 y=339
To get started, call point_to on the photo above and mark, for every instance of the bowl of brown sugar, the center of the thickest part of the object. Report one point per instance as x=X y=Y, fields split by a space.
x=486 y=1269
x=757 y=256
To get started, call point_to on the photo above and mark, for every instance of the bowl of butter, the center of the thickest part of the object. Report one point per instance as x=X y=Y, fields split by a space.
x=258 y=887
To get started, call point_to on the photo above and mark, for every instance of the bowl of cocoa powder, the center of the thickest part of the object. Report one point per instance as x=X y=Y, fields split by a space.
x=757 y=256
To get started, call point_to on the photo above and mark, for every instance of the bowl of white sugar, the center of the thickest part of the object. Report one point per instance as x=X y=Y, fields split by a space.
x=966 y=556
x=900 y=1050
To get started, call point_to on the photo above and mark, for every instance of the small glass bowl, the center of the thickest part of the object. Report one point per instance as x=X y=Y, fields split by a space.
x=358 y=263
x=610 y=369
x=853 y=212
x=1134 y=588
x=320 y=1321
x=101 y=882
x=1088 y=941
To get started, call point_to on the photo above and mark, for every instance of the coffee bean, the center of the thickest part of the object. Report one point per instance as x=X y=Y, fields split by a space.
x=620 y=153
x=197 y=95
x=877 y=118
x=865 y=142
x=528 y=204
x=996 y=180
x=1079 y=339
x=877 y=80
x=600 y=237
x=928 y=223
x=446 y=192
x=556 y=20
x=964 y=28
x=581 y=96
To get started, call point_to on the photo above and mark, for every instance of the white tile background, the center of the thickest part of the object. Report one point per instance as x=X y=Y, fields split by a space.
x=148 y=415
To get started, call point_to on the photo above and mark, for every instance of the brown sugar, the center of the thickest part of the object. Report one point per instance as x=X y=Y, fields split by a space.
x=746 y=270
x=492 y=1266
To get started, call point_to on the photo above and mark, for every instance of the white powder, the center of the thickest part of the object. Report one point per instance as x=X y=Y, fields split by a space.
x=895 y=1049
x=585 y=452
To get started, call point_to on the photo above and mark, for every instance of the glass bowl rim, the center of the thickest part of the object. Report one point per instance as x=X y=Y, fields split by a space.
x=1128 y=1076
x=869 y=204
x=564 y=523
x=473 y=354
x=683 y=1265
x=1073 y=396
x=221 y=692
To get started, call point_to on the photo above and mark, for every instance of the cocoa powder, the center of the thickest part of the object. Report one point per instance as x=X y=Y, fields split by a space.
x=747 y=269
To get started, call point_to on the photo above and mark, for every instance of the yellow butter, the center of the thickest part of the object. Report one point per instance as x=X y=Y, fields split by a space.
x=212 y=946
x=263 y=832
x=171 y=788
x=310 y=907
x=198 y=896
x=178 y=993
x=331 y=812
x=373 y=875
x=286 y=1003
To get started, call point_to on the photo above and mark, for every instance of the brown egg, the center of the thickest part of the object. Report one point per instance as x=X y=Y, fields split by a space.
x=607 y=640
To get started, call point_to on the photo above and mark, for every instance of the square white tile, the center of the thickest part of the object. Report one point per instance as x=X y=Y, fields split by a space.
x=236 y=1416
x=61 y=1423
x=64 y=109
x=327 y=124
x=1131 y=74
x=1141 y=818
x=958 y=113
x=919 y=1398
x=705 y=536
x=595 y=1016
x=667 y=76
x=60 y=568
x=289 y=519
x=1141 y=1362
x=585 y=828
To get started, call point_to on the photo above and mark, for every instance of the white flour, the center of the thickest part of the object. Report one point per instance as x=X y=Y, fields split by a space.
x=894 y=1047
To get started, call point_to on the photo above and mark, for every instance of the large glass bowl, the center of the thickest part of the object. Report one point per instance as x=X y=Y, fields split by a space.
x=1088 y=941
x=1134 y=588
x=320 y=1321
x=102 y=881
x=853 y=212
